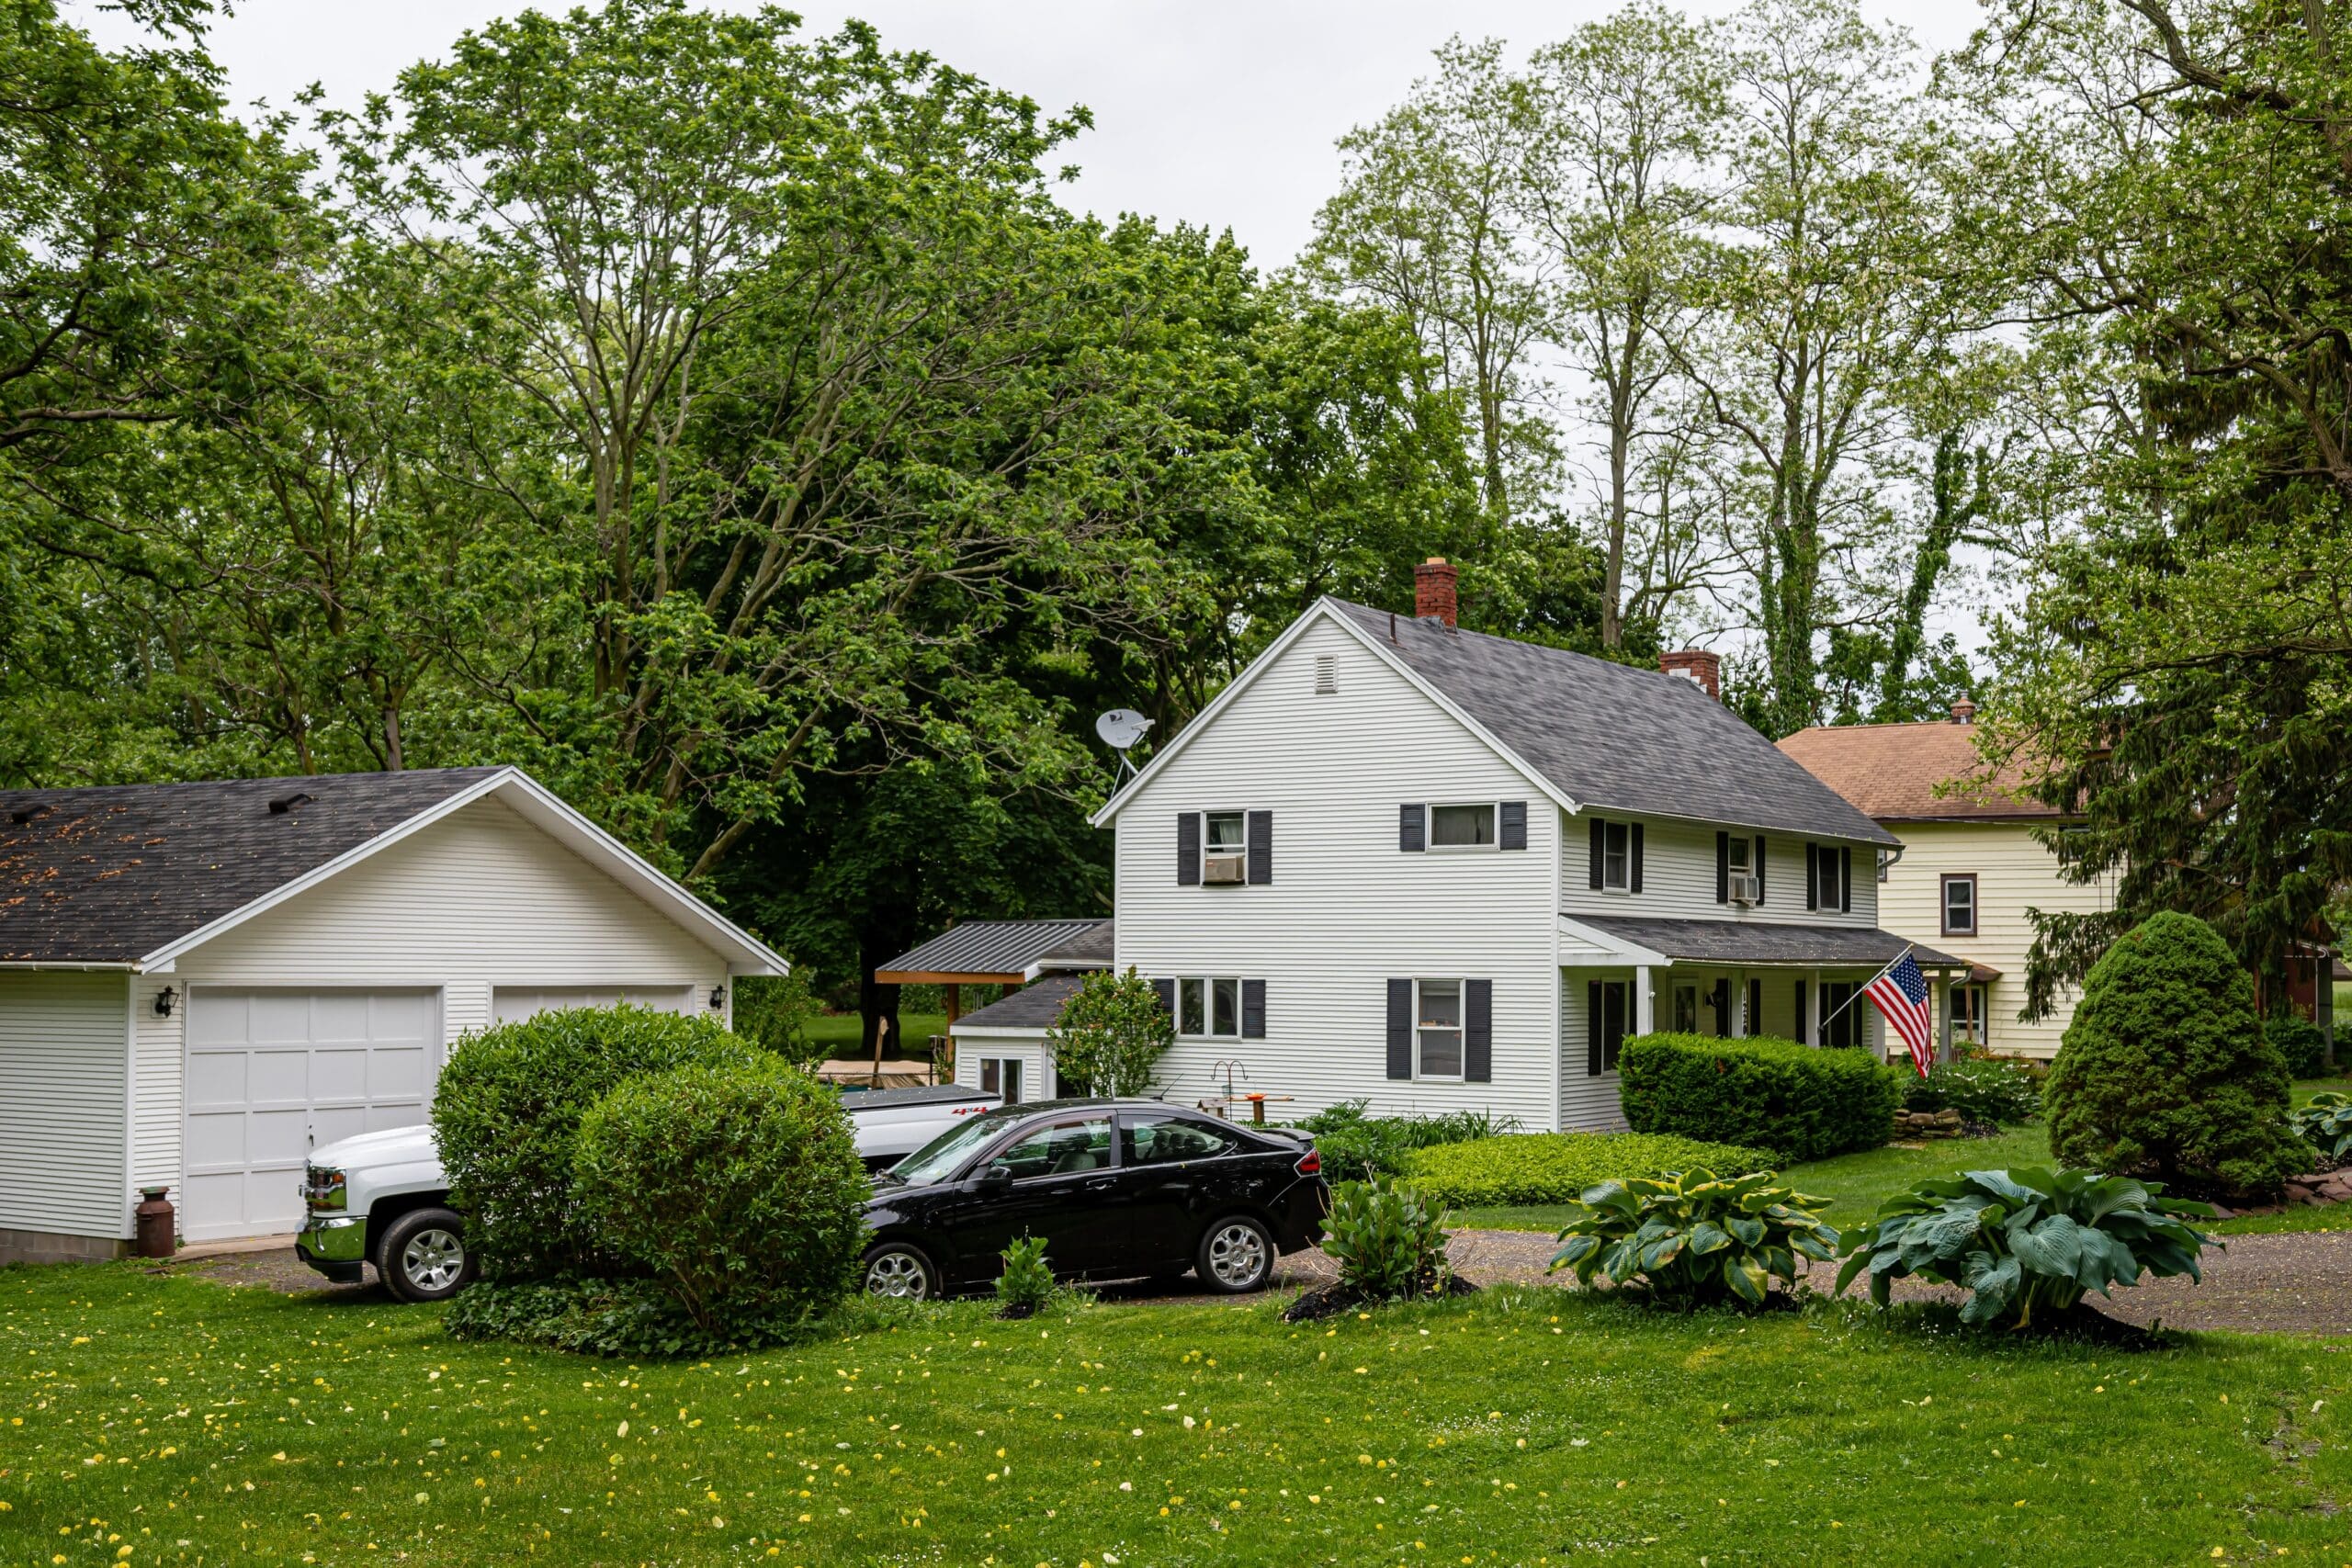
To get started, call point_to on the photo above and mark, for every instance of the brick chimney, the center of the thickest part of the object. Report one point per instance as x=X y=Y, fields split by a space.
x=1963 y=712
x=1434 y=589
x=1697 y=665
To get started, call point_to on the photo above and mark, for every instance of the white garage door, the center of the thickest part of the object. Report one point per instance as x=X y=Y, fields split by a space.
x=514 y=1003
x=274 y=1074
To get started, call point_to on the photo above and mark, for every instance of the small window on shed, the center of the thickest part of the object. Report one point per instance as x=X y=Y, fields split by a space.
x=1327 y=674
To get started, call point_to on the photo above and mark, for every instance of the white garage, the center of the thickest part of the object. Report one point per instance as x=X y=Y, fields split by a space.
x=201 y=983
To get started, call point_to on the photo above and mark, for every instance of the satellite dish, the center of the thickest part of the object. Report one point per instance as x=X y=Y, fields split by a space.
x=1121 y=727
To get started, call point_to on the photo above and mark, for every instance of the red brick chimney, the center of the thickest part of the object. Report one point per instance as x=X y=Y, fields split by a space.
x=1697 y=665
x=1434 y=589
x=1963 y=712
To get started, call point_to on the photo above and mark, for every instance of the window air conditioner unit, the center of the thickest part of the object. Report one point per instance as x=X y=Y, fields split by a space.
x=1223 y=871
x=1744 y=888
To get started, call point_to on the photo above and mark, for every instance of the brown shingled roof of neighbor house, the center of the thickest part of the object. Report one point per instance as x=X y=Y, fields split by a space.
x=1891 y=770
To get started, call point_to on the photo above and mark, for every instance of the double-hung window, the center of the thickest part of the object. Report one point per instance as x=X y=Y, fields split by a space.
x=1002 y=1076
x=1685 y=1010
x=1228 y=833
x=1437 y=1032
x=1616 y=857
x=1969 y=1023
x=1959 y=905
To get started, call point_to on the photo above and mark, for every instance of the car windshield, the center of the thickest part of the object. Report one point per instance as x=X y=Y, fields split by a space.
x=946 y=1154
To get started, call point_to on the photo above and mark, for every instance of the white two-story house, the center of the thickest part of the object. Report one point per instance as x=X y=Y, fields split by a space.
x=1434 y=869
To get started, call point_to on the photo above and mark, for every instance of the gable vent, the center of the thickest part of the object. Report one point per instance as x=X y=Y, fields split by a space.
x=1327 y=674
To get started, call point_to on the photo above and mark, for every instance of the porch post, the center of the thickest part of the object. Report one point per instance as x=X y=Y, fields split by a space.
x=1943 y=1033
x=1645 y=1015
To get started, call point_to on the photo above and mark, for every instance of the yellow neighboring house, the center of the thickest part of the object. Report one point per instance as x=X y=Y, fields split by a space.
x=1969 y=869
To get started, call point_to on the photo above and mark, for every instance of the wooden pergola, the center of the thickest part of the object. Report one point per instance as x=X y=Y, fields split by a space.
x=999 y=953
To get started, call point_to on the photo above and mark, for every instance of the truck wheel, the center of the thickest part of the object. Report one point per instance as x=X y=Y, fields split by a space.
x=894 y=1268
x=423 y=1257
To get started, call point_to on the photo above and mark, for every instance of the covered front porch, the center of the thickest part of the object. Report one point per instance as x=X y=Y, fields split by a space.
x=1622 y=977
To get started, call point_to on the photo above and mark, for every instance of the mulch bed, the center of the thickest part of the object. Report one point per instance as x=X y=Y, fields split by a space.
x=1332 y=1299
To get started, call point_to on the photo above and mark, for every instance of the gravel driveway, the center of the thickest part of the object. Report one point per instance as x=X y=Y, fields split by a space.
x=2263 y=1284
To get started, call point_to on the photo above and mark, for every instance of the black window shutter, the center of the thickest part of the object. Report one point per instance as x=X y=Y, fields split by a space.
x=1633 y=855
x=1411 y=823
x=1253 y=1009
x=1592 y=1028
x=1400 y=1029
x=1805 y=1024
x=1166 y=989
x=1262 y=848
x=1510 y=829
x=1723 y=868
x=1187 y=849
x=1756 y=865
x=1723 y=1007
x=1813 y=877
x=1755 y=1006
x=1614 y=995
x=1478 y=1031
x=1598 y=829
x=1845 y=878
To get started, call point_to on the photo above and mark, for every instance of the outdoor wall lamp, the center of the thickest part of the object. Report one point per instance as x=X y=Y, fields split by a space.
x=718 y=998
x=163 y=1002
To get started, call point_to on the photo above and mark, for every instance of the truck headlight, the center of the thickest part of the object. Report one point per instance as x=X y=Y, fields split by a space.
x=325 y=1188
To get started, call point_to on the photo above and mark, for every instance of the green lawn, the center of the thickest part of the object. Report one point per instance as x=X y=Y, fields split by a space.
x=193 y=1423
x=840 y=1032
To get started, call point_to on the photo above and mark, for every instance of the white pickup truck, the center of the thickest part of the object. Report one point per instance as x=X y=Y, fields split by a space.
x=381 y=1198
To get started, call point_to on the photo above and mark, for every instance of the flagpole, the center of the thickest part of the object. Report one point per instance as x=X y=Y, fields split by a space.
x=1865 y=985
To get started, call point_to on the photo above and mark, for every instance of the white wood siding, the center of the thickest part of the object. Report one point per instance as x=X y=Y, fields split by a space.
x=1026 y=1046
x=1679 y=876
x=482 y=894
x=157 y=1064
x=1346 y=909
x=64 y=1091
x=2013 y=874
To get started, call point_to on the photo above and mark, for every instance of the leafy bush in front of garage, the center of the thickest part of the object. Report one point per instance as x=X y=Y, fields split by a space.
x=506 y=1116
x=1806 y=1102
x=1354 y=1146
x=2299 y=1044
x=1557 y=1168
x=737 y=1189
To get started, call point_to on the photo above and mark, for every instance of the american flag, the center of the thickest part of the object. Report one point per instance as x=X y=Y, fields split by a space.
x=1899 y=993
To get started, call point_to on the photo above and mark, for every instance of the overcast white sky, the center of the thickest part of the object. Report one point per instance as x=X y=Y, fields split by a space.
x=1217 y=112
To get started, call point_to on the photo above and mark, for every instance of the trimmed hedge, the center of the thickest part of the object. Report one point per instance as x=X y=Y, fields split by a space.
x=1806 y=1101
x=506 y=1116
x=1557 y=1168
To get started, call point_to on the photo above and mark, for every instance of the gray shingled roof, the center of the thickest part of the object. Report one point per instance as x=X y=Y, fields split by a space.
x=1005 y=947
x=1755 y=941
x=1035 y=1006
x=1613 y=737
x=107 y=875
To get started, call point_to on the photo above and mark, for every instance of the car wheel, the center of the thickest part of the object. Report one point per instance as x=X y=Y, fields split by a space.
x=423 y=1257
x=1237 y=1256
x=895 y=1270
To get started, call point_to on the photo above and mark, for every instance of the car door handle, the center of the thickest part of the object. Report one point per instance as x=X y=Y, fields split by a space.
x=1102 y=1184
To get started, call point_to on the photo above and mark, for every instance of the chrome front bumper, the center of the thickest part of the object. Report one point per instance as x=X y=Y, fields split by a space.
x=334 y=1245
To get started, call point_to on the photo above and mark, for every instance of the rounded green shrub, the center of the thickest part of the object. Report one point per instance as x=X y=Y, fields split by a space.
x=737 y=1189
x=2298 y=1042
x=2164 y=1070
x=1557 y=1168
x=1806 y=1102
x=506 y=1116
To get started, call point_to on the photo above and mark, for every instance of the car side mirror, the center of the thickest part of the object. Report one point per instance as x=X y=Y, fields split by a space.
x=996 y=1178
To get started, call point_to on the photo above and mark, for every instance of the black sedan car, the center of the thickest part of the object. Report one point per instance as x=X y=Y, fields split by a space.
x=1119 y=1188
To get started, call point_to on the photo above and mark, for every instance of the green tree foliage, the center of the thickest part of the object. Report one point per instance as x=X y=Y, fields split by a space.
x=2164 y=1070
x=1113 y=1030
x=2174 y=185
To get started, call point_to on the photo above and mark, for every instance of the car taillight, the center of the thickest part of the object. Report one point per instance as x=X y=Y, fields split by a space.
x=1309 y=1163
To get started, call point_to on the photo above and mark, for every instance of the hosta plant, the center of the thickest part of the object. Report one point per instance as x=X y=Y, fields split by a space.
x=2326 y=1124
x=1694 y=1238
x=2027 y=1241
x=1388 y=1240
